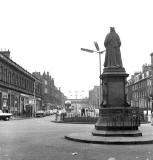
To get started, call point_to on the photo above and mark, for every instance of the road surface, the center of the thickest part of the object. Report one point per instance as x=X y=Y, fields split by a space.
x=41 y=139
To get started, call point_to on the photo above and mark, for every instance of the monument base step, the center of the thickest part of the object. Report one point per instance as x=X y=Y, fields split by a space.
x=117 y=133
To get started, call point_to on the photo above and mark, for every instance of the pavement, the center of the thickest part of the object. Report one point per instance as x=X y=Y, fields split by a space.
x=87 y=137
x=21 y=118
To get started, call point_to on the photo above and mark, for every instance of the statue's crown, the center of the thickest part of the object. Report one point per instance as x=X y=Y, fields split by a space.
x=112 y=29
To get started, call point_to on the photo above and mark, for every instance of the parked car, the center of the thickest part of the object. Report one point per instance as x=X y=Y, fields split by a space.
x=5 y=116
x=40 y=113
x=47 y=113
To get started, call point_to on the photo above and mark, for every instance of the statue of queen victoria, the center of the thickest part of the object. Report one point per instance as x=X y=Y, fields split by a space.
x=112 y=44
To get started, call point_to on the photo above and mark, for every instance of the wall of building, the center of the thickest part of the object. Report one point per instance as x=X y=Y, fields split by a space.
x=16 y=86
x=51 y=95
x=139 y=88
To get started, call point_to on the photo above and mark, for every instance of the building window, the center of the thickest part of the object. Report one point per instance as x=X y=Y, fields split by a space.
x=31 y=86
x=4 y=75
x=9 y=77
x=46 y=91
x=1 y=73
x=22 y=82
x=15 y=77
x=147 y=73
x=27 y=84
x=12 y=78
x=45 y=82
x=17 y=80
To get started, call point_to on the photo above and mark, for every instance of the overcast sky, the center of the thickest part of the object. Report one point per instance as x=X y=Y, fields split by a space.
x=46 y=35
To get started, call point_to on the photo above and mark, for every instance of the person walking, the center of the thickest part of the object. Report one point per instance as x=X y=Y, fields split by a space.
x=83 y=112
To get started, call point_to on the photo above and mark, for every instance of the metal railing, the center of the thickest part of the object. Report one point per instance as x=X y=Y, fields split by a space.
x=121 y=120
x=77 y=117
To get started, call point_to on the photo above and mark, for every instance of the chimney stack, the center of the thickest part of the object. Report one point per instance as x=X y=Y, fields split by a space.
x=5 y=53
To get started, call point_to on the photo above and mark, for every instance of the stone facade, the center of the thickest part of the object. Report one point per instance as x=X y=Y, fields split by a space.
x=139 y=88
x=17 y=87
x=51 y=95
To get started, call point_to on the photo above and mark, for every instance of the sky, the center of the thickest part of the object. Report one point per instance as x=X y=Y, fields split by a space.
x=46 y=35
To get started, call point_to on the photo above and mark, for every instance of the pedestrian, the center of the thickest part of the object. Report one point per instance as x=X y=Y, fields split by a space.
x=82 y=112
x=56 y=115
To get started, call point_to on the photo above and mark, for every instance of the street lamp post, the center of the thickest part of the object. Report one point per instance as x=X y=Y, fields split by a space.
x=99 y=52
x=76 y=97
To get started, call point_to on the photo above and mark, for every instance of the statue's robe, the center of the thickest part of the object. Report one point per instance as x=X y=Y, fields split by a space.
x=113 y=54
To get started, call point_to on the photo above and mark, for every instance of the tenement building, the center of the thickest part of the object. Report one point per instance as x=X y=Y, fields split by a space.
x=51 y=95
x=139 y=88
x=18 y=88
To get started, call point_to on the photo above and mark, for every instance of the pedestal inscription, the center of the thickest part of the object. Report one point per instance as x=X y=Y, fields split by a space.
x=115 y=94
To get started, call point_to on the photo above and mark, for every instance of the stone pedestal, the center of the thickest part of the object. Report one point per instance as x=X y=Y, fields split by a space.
x=116 y=117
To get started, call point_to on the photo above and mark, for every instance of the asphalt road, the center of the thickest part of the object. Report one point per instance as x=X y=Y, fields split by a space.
x=41 y=139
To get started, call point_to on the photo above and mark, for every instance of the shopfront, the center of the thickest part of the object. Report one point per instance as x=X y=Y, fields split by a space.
x=14 y=103
x=4 y=98
x=24 y=100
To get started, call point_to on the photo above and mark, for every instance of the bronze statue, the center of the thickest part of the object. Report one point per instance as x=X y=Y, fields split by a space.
x=112 y=44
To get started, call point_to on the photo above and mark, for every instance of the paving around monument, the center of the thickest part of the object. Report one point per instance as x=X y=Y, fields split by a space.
x=118 y=122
